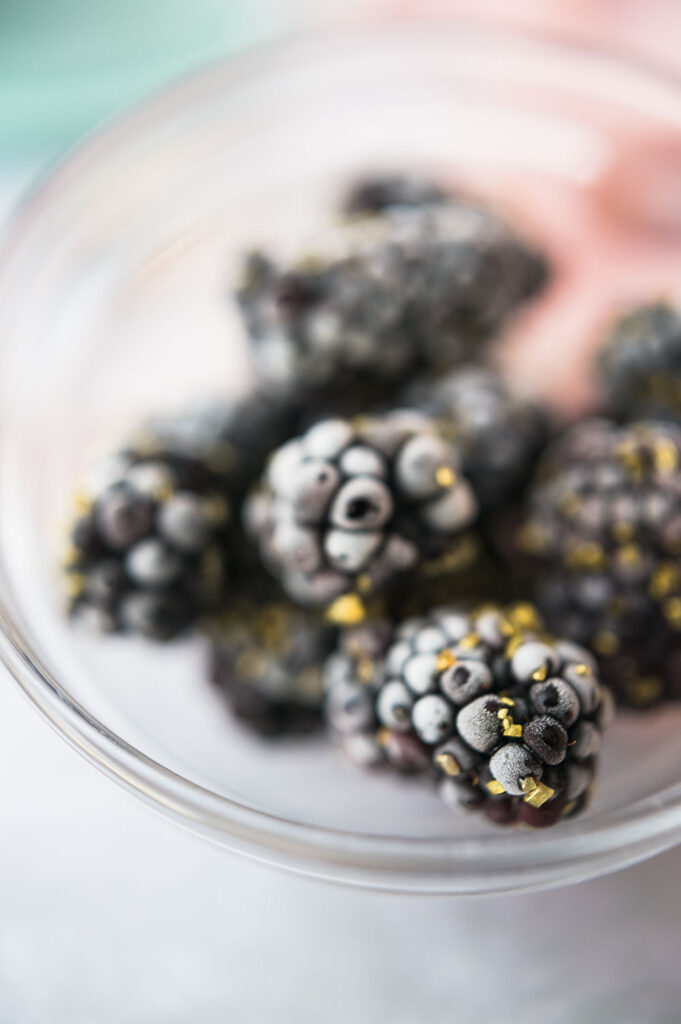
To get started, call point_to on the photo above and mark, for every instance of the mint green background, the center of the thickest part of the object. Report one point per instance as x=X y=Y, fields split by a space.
x=66 y=64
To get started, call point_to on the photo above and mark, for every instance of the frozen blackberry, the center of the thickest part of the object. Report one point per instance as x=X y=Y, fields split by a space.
x=409 y=290
x=146 y=547
x=499 y=434
x=373 y=195
x=512 y=717
x=350 y=505
x=640 y=364
x=604 y=528
x=353 y=675
x=266 y=658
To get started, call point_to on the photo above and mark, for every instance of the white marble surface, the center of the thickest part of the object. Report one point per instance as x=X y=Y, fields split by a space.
x=110 y=914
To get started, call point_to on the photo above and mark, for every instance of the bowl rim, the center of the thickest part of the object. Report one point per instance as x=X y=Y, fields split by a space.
x=575 y=851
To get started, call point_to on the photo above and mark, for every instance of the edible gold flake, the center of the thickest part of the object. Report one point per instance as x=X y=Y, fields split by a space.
x=532 y=538
x=630 y=457
x=363 y=583
x=524 y=616
x=644 y=691
x=536 y=793
x=569 y=504
x=82 y=502
x=672 y=611
x=448 y=763
x=382 y=736
x=445 y=660
x=75 y=584
x=250 y=664
x=585 y=555
x=445 y=476
x=346 y=610
x=513 y=644
x=469 y=641
x=629 y=554
x=495 y=787
x=71 y=555
x=459 y=556
x=540 y=674
x=666 y=456
x=605 y=642
x=623 y=531
x=664 y=580
x=365 y=670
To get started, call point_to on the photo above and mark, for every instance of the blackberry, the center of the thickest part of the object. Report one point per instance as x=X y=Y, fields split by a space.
x=266 y=658
x=408 y=290
x=604 y=529
x=511 y=716
x=353 y=675
x=499 y=434
x=150 y=536
x=640 y=364
x=351 y=505
x=146 y=546
x=374 y=194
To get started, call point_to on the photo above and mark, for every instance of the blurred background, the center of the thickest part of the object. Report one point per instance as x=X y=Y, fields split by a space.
x=108 y=913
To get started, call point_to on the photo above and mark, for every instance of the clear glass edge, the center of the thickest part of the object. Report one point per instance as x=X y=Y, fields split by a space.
x=531 y=861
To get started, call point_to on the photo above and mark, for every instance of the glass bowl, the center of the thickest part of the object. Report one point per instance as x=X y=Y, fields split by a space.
x=114 y=304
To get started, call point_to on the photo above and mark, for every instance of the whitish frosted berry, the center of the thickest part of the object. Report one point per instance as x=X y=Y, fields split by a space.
x=350 y=506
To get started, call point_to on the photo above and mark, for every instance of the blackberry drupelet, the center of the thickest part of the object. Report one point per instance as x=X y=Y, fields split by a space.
x=411 y=289
x=640 y=364
x=146 y=549
x=351 y=505
x=353 y=675
x=604 y=529
x=266 y=657
x=500 y=434
x=512 y=717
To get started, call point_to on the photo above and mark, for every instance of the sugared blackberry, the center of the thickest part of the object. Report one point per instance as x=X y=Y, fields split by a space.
x=150 y=537
x=375 y=194
x=266 y=658
x=146 y=547
x=353 y=675
x=383 y=297
x=640 y=364
x=512 y=717
x=498 y=433
x=604 y=526
x=350 y=505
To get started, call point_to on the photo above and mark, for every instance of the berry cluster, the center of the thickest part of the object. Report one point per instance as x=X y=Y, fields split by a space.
x=350 y=505
x=509 y=718
x=342 y=537
x=412 y=287
x=266 y=658
x=640 y=364
x=604 y=523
